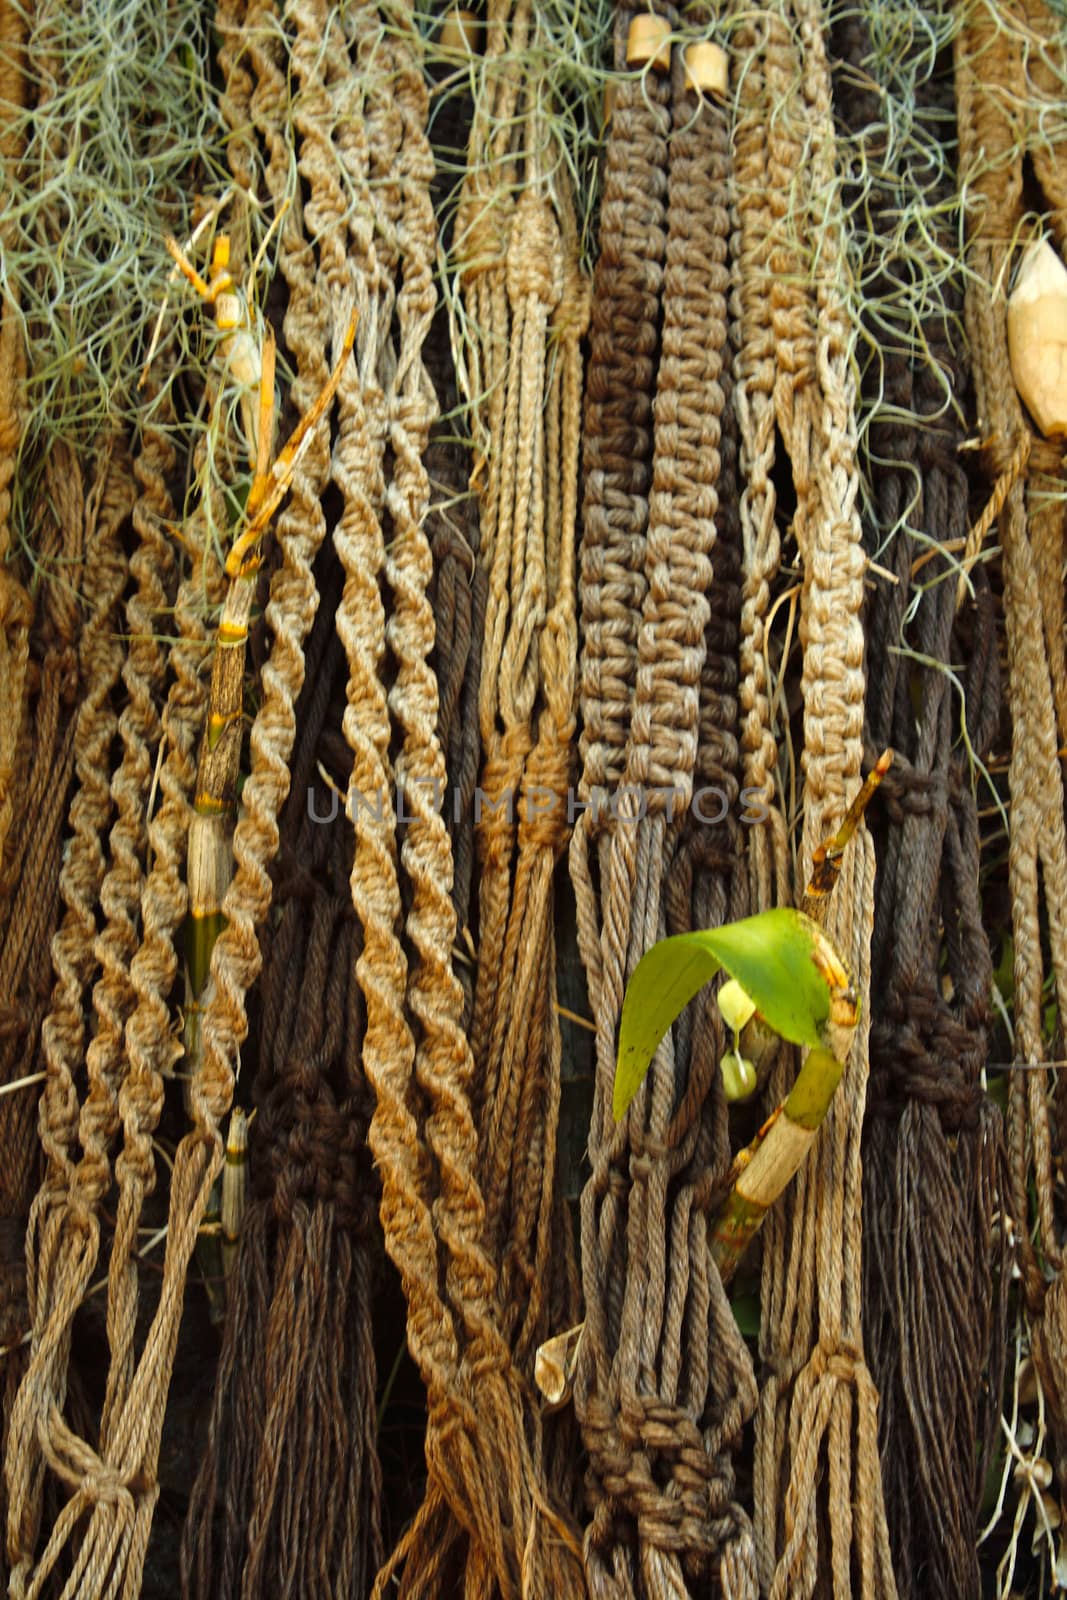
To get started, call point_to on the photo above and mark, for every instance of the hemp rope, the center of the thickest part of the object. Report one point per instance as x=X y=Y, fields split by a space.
x=1003 y=111
x=933 y=1144
x=769 y=281
x=120 y=1484
x=291 y=1451
x=476 y=1450
x=16 y=608
x=659 y=1331
x=62 y=1258
x=458 y=595
x=299 y=1482
x=25 y=949
x=818 y=1393
x=511 y=271
x=512 y=267
x=528 y=249
x=617 y=458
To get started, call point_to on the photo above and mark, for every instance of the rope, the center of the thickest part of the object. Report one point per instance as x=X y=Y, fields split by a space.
x=62 y=1224
x=932 y=1142
x=118 y=1486
x=458 y=595
x=819 y=1512
x=25 y=951
x=16 y=609
x=663 y=1384
x=1002 y=112
x=291 y=1452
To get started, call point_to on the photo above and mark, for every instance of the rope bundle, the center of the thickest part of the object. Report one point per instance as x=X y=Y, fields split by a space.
x=419 y=651
x=1007 y=69
x=933 y=1146
x=292 y=1457
x=525 y=299
x=817 y=1403
x=663 y=1383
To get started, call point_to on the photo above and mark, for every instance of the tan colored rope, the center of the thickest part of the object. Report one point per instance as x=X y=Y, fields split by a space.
x=25 y=949
x=816 y=1468
x=764 y=177
x=118 y=1485
x=16 y=610
x=59 y=1221
x=1004 y=115
x=62 y=1275
x=483 y=1486
x=664 y=1384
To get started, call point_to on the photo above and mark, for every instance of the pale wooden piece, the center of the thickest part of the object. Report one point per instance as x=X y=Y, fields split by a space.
x=461 y=32
x=649 y=43
x=1037 y=337
x=707 y=67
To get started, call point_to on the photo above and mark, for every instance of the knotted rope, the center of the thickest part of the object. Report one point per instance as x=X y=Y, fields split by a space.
x=289 y=1484
x=816 y=1467
x=1006 y=68
x=25 y=950
x=663 y=1383
x=292 y=1457
x=933 y=1145
x=16 y=610
x=116 y=1486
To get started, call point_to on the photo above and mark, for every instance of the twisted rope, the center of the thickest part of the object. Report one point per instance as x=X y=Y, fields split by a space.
x=932 y=1151
x=665 y=1385
x=16 y=609
x=818 y=1404
x=1003 y=115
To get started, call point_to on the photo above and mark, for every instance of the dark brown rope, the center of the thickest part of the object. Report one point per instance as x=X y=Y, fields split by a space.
x=660 y=1483
x=287 y=1500
x=933 y=1144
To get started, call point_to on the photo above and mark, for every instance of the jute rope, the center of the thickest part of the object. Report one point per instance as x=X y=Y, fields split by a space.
x=63 y=1233
x=25 y=949
x=298 y=1303
x=291 y=1455
x=1004 y=114
x=16 y=610
x=816 y=1468
x=767 y=253
x=663 y=1383
x=423 y=1133
x=117 y=1486
x=933 y=1145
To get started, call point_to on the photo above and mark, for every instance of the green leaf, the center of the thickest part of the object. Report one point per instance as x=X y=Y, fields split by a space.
x=770 y=955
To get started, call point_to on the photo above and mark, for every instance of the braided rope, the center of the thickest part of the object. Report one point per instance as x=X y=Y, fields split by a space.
x=25 y=964
x=795 y=373
x=932 y=1141
x=120 y=1483
x=16 y=609
x=1003 y=114
x=660 y=1482
x=60 y=1225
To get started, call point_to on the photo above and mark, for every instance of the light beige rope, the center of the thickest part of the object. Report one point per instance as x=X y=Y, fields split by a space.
x=16 y=610
x=767 y=252
x=117 y=1486
x=63 y=1224
x=816 y=1462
